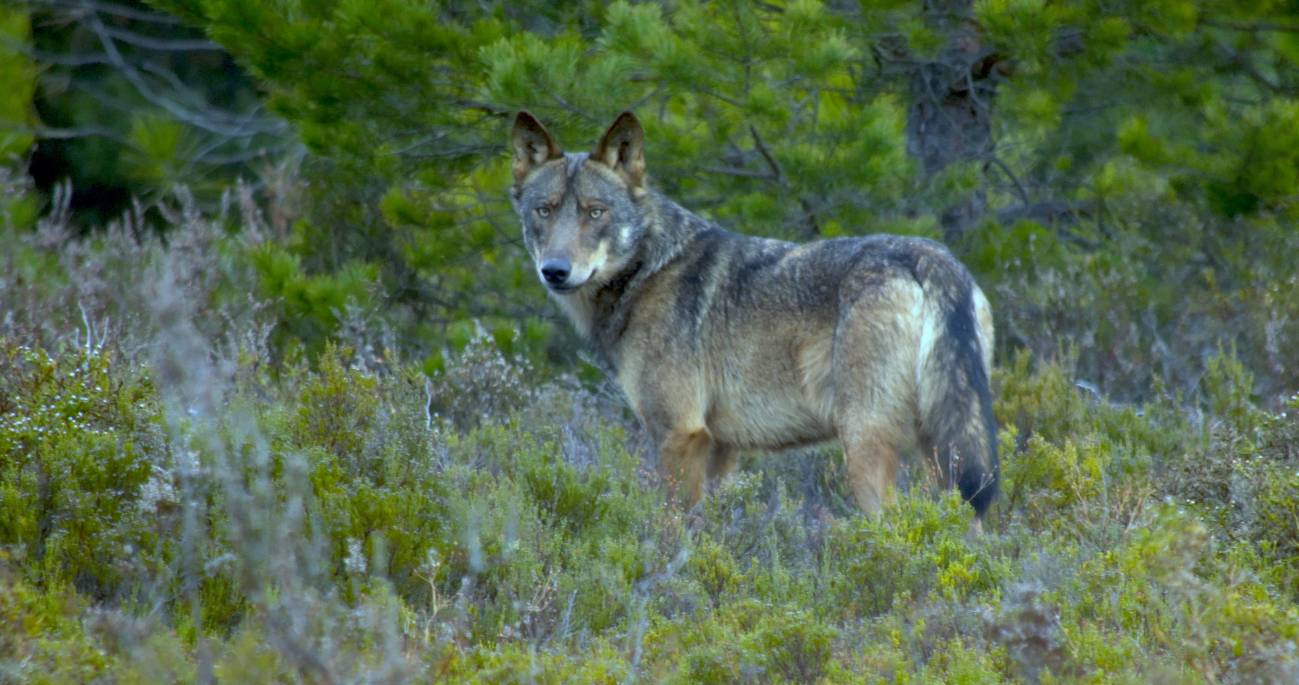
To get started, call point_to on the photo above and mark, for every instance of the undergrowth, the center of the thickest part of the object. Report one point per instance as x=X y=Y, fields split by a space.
x=178 y=504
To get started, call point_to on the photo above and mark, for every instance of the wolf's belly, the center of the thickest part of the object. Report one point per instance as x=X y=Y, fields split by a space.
x=767 y=420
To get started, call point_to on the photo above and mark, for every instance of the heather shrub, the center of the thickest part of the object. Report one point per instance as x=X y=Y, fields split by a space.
x=1275 y=524
x=918 y=549
x=478 y=380
x=743 y=642
x=84 y=491
x=42 y=634
x=791 y=646
x=761 y=516
x=183 y=497
x=535 y=546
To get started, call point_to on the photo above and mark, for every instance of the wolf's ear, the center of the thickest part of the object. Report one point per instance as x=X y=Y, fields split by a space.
x=532 y=145
x=623 y=149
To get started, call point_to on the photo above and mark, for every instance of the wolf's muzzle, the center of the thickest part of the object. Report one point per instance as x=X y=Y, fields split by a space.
x=556 y=271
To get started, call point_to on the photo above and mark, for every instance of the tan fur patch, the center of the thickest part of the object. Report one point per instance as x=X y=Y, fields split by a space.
x=816 y=368
x=579 y=310
x=598 y=258
x=684 y=459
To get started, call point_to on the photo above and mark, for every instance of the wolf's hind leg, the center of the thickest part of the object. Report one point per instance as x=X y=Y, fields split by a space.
x=721 y=464
x=684 y=460
x=875 y=344
x=871 y=460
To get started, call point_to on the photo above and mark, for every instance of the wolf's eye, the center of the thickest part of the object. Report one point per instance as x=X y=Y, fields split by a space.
x=596 y=212
x=543 y=211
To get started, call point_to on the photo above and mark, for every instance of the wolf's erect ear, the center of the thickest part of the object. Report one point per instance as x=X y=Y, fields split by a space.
x=623 y=149
x=532 y=145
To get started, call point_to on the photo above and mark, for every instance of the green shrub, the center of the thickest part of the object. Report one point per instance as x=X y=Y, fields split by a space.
x=337 y=411
x=42 y=638
x=713 y=567
x=792 y=646
x=376 y=477
x=351 y=518
x=310 y=306
x=915 y=548
x=518 y=664
x=84 y=488
x=954 y=662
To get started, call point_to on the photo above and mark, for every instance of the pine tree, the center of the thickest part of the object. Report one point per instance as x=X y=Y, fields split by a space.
x=19 y=76
x=118 y=102
x=18 y=73
x=1111 y=148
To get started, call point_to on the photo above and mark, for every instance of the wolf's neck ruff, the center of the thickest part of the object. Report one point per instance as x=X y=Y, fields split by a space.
x=611 y=310
x=669 y=232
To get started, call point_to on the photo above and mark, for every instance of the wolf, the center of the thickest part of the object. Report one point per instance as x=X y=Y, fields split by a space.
x=723 y=342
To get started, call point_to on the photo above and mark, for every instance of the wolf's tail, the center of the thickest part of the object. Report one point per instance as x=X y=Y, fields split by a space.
x=957 y=425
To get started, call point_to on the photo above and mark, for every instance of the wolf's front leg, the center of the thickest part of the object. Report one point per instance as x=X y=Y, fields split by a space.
x=684 y=456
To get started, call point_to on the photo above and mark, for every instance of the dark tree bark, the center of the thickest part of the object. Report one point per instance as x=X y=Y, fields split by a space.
x=951 y=96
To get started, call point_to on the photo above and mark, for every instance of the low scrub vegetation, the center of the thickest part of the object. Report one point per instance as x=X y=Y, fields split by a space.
x=182 y=499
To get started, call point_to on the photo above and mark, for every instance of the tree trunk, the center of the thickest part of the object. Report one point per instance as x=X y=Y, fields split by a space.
x=950 y=98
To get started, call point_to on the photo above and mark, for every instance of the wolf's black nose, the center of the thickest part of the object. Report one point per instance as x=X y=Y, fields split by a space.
x=555 y=271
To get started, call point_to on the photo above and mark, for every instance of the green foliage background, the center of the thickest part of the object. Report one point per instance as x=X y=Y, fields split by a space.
x=302 y=413
x=1135 y=196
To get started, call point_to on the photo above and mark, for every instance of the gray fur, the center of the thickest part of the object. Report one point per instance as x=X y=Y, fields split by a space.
x=724 y=342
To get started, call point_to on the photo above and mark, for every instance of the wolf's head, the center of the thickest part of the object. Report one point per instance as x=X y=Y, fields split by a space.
x=582 y=214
